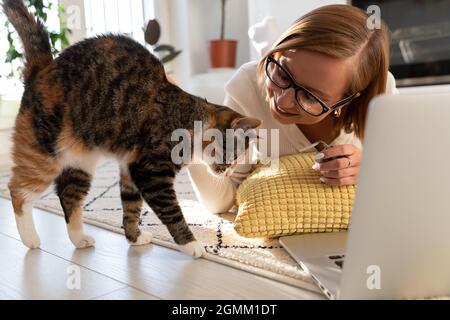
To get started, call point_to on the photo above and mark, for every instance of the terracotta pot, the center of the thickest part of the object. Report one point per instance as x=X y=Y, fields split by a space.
x=222 y=53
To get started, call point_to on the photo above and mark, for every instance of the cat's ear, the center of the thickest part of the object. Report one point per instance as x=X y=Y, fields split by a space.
x=245 y=123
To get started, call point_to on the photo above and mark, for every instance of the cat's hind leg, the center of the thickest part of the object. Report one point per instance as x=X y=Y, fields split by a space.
x=24 y=192
x=72 y=186
x=132 y=205
x=32 y=174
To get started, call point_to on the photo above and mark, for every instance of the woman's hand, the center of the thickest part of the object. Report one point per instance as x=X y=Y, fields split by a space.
x=342 y=171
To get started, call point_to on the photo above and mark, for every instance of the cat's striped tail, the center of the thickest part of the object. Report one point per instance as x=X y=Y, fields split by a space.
x=35 y=39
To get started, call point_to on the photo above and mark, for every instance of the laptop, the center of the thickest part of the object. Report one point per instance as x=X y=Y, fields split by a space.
x=398 y=243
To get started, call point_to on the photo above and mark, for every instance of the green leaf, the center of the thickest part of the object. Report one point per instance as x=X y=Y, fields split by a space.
x=12 y=55
x=41 y=9
x=38 y=4
x=64 y=41
x=10 y=39
x=170 y=57
x=61 y=8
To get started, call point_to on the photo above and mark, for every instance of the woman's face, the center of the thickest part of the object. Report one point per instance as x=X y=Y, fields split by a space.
x=324 y=76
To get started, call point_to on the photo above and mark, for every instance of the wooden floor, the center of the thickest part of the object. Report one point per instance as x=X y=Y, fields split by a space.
x=113 y=269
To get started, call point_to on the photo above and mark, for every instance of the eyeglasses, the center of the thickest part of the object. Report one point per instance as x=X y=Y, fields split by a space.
x=304 y=98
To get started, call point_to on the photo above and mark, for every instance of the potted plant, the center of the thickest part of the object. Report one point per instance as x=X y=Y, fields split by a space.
x=12 y=59
x=58 y=40
x=223 y=51
x=165 y=52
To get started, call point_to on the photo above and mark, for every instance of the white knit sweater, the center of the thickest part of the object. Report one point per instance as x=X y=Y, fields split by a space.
x=244 y=95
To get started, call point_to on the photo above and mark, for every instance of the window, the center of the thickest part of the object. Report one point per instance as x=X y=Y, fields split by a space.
x=118 y=16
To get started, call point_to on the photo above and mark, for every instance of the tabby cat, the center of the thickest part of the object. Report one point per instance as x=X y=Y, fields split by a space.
x=104 y=95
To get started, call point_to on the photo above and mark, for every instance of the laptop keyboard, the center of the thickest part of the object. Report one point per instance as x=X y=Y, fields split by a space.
x=338 y=260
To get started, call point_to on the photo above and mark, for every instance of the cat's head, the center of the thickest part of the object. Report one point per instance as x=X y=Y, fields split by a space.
x=237 y=132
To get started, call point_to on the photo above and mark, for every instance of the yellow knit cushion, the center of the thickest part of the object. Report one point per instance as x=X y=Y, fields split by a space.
x=291 y=200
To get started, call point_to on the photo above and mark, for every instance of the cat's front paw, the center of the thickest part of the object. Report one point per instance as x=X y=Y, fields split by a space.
x=31 y=240
x=143 y=239
x=27 y=232
x=194 y=248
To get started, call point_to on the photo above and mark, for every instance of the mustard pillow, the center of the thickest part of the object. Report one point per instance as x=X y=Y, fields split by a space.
x=291 y=200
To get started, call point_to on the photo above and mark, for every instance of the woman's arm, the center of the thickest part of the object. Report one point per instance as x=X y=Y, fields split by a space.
x=217 y=193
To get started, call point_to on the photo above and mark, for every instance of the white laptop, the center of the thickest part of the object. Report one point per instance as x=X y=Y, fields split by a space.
x=398 y=244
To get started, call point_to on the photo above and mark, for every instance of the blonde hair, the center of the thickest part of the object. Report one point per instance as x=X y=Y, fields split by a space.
x=341 y=31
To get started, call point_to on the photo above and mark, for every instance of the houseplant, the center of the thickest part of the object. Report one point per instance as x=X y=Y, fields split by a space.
x=10 y=73
x=223 y=51
x=58 y=39
x=165 y=52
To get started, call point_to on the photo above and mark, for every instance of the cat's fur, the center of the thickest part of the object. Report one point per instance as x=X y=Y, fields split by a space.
x=103 y=95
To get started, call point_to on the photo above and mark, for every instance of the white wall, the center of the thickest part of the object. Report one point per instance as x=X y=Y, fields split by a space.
x=176 y=16
x=425 y=89
x=284 y=11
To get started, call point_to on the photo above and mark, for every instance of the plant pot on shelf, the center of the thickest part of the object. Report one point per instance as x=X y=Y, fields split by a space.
x=222 y=53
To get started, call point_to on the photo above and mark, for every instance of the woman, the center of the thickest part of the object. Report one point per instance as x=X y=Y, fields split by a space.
x=314 y=85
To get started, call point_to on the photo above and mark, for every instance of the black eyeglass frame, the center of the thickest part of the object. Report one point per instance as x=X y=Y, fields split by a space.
x=297 y=88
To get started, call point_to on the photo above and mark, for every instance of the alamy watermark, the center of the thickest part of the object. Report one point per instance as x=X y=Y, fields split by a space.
x=374 y=20
x=73 y=17
x=73 y=281
x=374 y=279
x=240 y=147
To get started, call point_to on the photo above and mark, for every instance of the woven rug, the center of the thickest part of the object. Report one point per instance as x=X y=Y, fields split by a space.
x=264 y=257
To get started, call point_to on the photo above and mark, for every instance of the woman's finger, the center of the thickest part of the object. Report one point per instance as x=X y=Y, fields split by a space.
x=339 y=151
x=339 y=182
x=339 y=174
x=336 y=164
